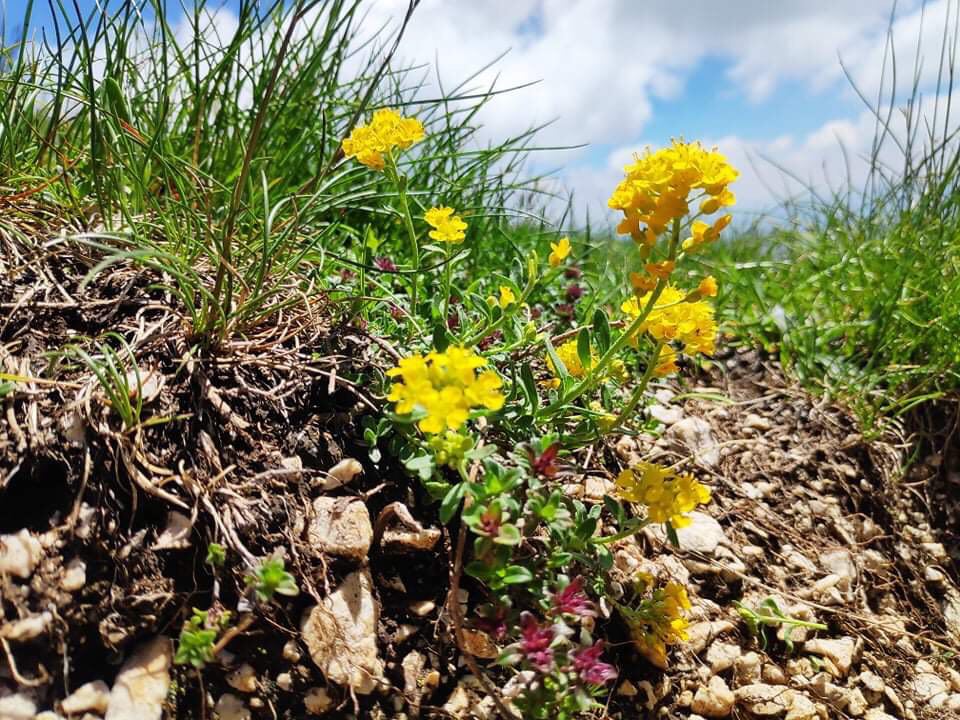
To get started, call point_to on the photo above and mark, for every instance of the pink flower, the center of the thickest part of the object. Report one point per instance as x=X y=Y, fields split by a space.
x=572 y=272
x=494 y=337
x=564 y=310
x=385 y=264
x=573 y=601
x=587 y=663
x=574 y=292
x=535 y=642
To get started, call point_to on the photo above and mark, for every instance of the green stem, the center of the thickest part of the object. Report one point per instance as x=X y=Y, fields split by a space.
x=401 y=183
x=641 y=388
x=596 y=372
x=446 y=282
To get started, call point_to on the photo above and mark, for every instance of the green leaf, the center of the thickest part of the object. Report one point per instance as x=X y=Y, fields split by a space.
x=508 y=535
x=451 y=501
x=672 y=535
x=529 y=386
x=420 y=464
x=516 y=575
x=583 y=348
x=559 y=368
x=601 y=330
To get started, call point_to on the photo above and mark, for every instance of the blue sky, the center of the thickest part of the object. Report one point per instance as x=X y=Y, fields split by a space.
x=760 y=79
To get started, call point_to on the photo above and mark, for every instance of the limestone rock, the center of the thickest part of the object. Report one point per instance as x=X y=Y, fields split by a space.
x=843 y=651
x=142 y=683
x=765 y=700
x=317 y=701
x=702 y=535
x=26 y=628
x=341 y=526
x=244 y=679
x=19 y=554
x=841 y=564
x=715 y=700
x=74 y=575
x=17 y=707
x=700 y=634
x=342 y=473
x=928 y=687
x=230 y=707
x=94 y=696
x=722 y=655
x=695 y=434
x=341 y=634
x=802 y=708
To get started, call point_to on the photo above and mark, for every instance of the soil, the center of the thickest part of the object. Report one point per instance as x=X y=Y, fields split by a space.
x=238 y=440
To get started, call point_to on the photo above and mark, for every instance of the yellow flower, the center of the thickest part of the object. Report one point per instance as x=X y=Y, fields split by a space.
x=660 y=270
x=691 y=323
x=567 y=352
x=642 y=282
x=559 y=251
x=445 y=386
x=506 y=297
x=707 y=287
x=711 y=204
x=668 y=496
x=659 y=620
x=447 y=226
x=656 y=188
x=386 y=131
x=666 y=362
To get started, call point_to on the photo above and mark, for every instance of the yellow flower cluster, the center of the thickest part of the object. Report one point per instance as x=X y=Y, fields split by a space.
x=656 y=189
x=386 y=131
x=675 y=319
x=567 y=352
x=667 y=495
x=449 y=448
x=445 y=386
x=447 y=227
x=660 y=621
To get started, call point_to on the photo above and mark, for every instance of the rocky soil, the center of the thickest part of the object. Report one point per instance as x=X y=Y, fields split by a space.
x=103 y=535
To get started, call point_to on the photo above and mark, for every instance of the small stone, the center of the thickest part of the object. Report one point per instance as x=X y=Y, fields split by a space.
x=404 y=632
x=927 y=686
x=291 y=651
x=244 y=679
x=176 y=533
x=953 y=702
x=317 y=701
x=627 y=689
x=142 y=683
x=668 y=415
x=856 y=703
x=722 y=655
x=596 y=488
x=872 y=682
x=841 y=564
x=700 y=634
x=285 y=681
x=19 y=555
x=422 y=608
x=341 y=526
x=702 y=535
x=47 y=715
x=877 y=714
x=696 y=435
x=94 y=696
x=341 y=634
x=480 y=644
x=74 y=575
x=756 y=422
x=747 y=668
x=423 y=539
x=17 y=707
x=27 y=628
x=802 y=708
x=752 y=551
x=715 y=700
x=773 y=675
x=842 y=651
x=342 y=473
x=765 y=700
x=230 y=707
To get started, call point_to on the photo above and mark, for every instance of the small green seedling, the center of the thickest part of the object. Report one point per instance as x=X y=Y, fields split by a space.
x=271 y=578
x=768 y=614
x=197 y=638
x=216 y=555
